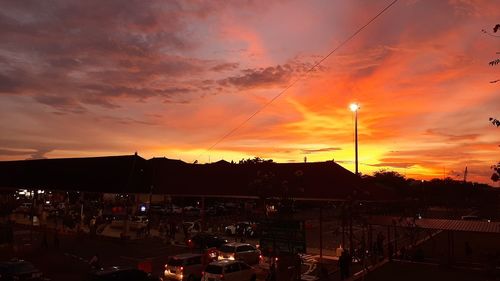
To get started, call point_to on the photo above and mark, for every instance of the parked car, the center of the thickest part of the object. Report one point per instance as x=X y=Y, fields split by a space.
x=204 y=241
x=192 y=226
x=121 y=273
x=137 y=222
x=176 y=210
x=157 y=209
x=191 y=211
x=47 y=206
x=19 y=270
x=216 y=210
x=184 y=267
x=140 y=219
x=240 y=251
x=228 y=270
x=249 y=229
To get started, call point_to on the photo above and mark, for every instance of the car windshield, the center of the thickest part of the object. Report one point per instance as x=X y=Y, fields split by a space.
x=175 y=262
x=227 y=249
x=213 y=269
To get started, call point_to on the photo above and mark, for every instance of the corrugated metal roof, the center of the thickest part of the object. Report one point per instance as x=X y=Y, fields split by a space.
x=440 y=224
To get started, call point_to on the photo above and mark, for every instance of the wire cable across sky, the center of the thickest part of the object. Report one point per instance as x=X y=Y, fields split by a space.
x=232 y=131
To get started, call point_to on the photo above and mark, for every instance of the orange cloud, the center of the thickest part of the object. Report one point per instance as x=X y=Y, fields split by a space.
x=171 y=79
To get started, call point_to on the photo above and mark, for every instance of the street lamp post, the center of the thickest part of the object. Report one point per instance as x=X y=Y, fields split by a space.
x=354 y=108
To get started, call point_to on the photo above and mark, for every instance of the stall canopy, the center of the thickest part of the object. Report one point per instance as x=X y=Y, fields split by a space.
x=438 y=224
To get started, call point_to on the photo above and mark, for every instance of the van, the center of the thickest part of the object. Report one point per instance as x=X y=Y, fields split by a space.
x=184 y=267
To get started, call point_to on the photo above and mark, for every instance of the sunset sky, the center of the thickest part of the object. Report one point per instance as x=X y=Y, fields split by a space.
x=170 y=78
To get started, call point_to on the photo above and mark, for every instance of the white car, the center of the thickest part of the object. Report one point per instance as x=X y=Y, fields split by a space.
x=184 y=267
x=228 y=270
x=192 y=226
x=240 y=251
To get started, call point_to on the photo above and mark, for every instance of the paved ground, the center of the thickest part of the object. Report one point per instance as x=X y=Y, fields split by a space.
x=397 y=270
x=69 y=261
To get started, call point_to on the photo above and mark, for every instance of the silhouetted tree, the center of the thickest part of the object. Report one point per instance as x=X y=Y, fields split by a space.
x=255 y=160
x=495 y=121
x=390 y=179
x=496 y=172
x=497 y=60
x=496 y=168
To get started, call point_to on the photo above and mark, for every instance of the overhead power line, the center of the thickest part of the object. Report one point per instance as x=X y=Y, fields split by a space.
x=301 y=76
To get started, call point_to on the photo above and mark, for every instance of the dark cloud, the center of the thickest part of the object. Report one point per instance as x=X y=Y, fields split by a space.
x=326 y=149
x=99 y=100
x=271 y=76
x=225 y=66
x=127 y=121
x=393 y=164
x=63 y=103
x=261 y=77
x=452 y=137
x=68 y=53
x=38 y=153
x=11 y=152
x=7 y=84
x=174 y=90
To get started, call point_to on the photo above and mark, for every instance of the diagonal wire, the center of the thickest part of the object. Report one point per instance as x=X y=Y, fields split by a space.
x=300 y=77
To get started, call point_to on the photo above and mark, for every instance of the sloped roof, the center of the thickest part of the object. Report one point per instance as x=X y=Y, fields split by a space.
x=310 y=181
x=133 y=174
x=95 y=174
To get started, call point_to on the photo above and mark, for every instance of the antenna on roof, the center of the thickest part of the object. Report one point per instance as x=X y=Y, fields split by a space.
x=465 y=174
x=195 y=162
x=305 y=159
x=135 y=153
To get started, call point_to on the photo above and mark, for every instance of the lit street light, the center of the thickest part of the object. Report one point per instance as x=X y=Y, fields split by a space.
x=354 y=108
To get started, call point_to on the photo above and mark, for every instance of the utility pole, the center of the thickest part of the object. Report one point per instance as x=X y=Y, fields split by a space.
x=354 y=108
x=356 y=138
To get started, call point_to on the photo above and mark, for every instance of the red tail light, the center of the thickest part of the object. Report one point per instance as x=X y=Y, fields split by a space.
x=182 y=268
x=221 y=277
